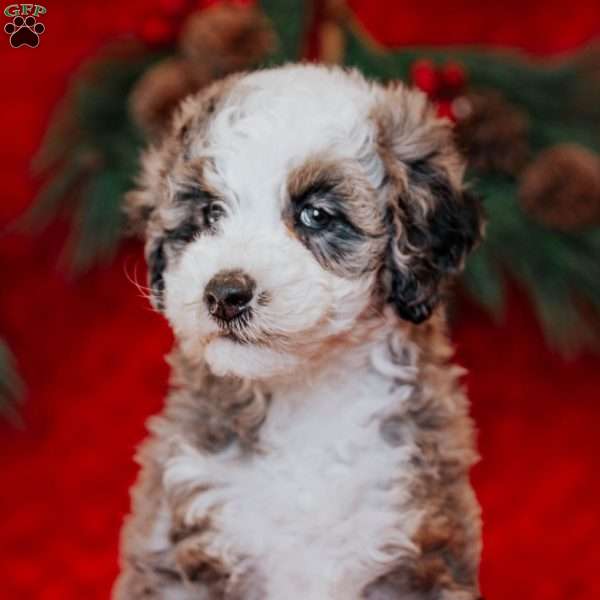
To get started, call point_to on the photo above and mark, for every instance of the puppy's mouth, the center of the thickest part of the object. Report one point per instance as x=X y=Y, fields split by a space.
x=237 y=328
x=243 y=330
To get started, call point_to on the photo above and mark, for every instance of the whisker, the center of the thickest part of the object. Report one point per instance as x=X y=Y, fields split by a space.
x=143 y=289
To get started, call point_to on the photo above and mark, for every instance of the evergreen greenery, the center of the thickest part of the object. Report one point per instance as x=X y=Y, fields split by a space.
x=91 y=151
x=90 y=154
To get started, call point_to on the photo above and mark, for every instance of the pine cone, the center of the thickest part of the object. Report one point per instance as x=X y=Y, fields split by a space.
x=561 y=188
x=230 y=37
x=160 y=90
x=491 y=132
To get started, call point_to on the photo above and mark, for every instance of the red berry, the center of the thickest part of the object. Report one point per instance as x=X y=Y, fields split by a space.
x=454 y=76
x=425 y=76
x=157 y=31
x=444 y=110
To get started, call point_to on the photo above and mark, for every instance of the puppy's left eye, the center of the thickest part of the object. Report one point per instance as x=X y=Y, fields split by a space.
x=315 y=218
x=211 y=213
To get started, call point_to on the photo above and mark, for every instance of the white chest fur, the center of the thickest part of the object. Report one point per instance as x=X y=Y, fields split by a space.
x=324 y=508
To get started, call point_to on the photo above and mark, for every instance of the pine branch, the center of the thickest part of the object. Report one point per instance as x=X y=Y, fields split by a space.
x=98 y=222
x=289 y=19
x=561 y=99
x=484 y=283
x=556 y=268
x=89 y=158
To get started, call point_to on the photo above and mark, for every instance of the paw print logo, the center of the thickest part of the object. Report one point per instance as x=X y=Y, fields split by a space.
x=24 y=32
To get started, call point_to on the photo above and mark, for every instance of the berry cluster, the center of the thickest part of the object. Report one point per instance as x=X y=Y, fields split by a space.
x=443 y=84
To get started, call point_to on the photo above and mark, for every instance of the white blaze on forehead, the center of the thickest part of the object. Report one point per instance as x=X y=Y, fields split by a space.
x=272 y=121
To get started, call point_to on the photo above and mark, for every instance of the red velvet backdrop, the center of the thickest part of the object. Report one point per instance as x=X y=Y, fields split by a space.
x=91 y=351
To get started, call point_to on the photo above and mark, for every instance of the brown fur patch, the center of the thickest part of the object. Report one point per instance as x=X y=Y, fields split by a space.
x=347 y=183
x=197 y=565
x=448 y=542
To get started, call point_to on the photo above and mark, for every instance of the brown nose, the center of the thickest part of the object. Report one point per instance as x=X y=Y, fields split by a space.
x=228 y=294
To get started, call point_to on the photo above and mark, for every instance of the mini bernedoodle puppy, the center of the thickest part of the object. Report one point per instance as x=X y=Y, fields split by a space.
x=301 y=225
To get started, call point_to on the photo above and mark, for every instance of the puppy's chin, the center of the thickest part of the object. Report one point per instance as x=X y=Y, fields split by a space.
x=227 y=357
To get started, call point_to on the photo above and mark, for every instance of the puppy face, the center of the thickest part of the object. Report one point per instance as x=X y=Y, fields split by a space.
x=287 y=207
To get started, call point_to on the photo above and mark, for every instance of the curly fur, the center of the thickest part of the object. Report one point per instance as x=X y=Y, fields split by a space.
x=319 y=447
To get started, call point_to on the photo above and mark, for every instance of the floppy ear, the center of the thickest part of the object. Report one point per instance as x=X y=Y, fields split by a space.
x=433 y=222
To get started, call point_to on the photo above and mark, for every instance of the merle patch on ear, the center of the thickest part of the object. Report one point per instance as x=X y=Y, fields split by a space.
x=432 y=244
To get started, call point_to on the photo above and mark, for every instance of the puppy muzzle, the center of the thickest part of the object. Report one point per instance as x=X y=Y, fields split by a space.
x=228 y=295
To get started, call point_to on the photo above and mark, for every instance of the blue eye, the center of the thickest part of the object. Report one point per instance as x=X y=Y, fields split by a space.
x=315 y=218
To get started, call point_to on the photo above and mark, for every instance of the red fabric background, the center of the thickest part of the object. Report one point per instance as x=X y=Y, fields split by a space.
x=91 y=351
